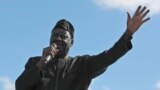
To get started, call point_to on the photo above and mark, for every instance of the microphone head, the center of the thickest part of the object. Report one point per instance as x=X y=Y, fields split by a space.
x=49 y=57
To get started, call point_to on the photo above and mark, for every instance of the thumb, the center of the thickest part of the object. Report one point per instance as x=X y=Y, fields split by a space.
x=128 y=17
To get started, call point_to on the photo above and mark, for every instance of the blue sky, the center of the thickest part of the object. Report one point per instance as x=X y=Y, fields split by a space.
x=25 y=28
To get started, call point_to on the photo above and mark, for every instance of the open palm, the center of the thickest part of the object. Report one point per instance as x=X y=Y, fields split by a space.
x=133 y=23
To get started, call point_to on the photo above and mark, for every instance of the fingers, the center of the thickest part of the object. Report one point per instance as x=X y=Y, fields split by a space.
x=141 y=13
x=128 y=17
x=49 y=51
x=145 y=20
x=145 y=13
x=137 y=11
x=54 y=51
x=143 y=9
x=133 y=23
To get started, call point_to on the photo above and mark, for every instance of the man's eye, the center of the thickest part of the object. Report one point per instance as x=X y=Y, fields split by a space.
x=55 y=35
x=64 y=37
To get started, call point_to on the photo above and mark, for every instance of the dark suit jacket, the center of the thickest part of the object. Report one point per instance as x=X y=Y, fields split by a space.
x=75 y=73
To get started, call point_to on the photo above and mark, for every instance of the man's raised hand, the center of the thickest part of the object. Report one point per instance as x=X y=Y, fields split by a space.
x=133 y=23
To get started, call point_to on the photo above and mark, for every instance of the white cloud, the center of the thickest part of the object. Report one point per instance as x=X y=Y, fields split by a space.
x=7 y=83
x=130 y=5
x=157 y=85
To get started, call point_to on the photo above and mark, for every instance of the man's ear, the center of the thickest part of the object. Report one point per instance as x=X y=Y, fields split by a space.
x=72 y=41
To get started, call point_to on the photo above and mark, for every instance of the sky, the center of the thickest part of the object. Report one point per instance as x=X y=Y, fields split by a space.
x=25 y=27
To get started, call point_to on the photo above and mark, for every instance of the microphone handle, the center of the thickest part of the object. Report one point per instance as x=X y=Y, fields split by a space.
x=48 y=58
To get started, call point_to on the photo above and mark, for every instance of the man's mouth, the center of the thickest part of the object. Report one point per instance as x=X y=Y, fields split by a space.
x=59 y=45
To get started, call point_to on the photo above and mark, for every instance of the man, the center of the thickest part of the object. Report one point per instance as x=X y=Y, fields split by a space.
x=55 y=70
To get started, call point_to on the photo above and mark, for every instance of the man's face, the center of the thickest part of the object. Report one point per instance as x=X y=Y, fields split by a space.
x=62 y=39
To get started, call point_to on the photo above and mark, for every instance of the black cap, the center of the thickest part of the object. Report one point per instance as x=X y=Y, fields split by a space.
x=64 y=24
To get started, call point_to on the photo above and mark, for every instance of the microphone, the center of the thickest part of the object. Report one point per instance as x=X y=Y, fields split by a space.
x=49 y=57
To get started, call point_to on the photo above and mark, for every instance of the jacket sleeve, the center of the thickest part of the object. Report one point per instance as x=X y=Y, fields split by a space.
x=30 y=76
x=97 y=64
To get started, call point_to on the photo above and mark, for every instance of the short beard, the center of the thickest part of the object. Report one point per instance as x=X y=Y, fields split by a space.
x=62 y=54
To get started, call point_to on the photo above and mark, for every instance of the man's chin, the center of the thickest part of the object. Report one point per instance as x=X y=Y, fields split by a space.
x=60 y=55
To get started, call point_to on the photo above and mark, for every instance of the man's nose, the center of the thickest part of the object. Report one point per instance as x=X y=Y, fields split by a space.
x=58 y=38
